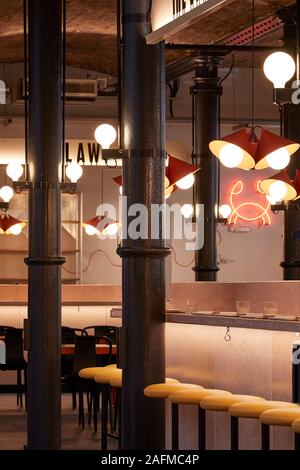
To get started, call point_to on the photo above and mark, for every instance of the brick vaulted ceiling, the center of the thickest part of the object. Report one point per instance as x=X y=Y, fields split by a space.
x=91 y=30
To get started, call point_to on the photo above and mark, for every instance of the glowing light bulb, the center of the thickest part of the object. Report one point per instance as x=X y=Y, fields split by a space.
x=279 y=159
x=14 y=171
x=278 y=190
x=279 y=68
x=6 y=193
x=111 y=229
x=74 y=172
x=231 y=155
x=90 y=230
x=186 y=182
x=187 y=211
x=271 y=200
x=16 y=229
x=105 y=135
x=225 y=211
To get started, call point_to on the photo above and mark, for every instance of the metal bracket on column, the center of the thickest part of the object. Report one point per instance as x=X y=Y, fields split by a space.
x=136 y=252
x=43 y=261
x=121 y=154
x=20 y=186
x=4 y=206
x=203 y=269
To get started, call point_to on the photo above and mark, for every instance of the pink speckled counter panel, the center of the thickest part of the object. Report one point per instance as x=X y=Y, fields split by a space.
x=222 y=296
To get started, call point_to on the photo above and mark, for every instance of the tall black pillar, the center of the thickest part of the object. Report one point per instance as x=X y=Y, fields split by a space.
x=291 y=263
x=143 y=118
x=44 y=260
x=206 y=128
x=291 y=129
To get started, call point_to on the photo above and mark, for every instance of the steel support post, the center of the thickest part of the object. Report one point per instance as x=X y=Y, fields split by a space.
x=291 y=129
x=143 y=122
x=44 y=260
x=206 y=128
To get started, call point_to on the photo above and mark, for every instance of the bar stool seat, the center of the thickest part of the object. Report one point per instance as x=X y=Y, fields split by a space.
x=104 y=374
x=280 y=417
x=191 y=397
x=163 y=390
x=296 y=426
x=253 y=409
x=296 y=429
x=90 y=372
x=224 y=402
x=116 y=379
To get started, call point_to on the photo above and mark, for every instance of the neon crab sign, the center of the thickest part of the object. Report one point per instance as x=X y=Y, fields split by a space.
x=260 y=212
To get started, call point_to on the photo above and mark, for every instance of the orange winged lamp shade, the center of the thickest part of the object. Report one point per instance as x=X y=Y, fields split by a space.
x=243 y=149
x=10 y=225
x=178 y=170
x=101 y=225
x=274 y=151
x=282 y=183
x=179 y=174
x=235 y=150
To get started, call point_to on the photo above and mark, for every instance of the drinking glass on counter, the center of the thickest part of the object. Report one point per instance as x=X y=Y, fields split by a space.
x=271 y=308
x=243 y=307
x=191 y=305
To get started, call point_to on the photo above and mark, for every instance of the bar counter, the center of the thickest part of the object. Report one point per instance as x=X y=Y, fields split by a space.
x=241 y=355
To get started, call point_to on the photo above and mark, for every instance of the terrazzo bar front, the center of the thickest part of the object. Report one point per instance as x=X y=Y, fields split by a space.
x=241 y=355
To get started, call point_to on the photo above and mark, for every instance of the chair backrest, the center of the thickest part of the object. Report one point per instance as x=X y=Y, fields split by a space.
x=99 y=331
x=68 y=335
x=84 y=354
x=4 y=328
x=14 y=347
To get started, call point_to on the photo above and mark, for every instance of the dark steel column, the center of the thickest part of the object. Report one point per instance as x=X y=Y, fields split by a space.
x=44 y=290
x=206 y=128
x=291 y=263
x=291 y=130
x=143 y=118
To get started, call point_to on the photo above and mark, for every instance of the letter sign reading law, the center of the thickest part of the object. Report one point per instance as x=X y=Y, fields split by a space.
x=171 y=16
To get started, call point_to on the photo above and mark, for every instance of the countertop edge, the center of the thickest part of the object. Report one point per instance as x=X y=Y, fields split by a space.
x=222 y=321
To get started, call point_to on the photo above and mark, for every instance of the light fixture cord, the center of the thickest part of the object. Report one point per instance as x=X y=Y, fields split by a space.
x=252 y=77
x=25 y=86
x=119 y=74
x=298 y=41
x=64 y=47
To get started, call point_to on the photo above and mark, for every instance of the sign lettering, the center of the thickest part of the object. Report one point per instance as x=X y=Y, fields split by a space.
x=171 y=16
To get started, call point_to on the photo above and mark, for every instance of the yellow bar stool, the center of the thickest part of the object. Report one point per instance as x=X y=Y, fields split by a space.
x=191 y=397
x=102 y=378
x=164 y=390
x=280 y=417
x=223 y=403
x=116 y=382
x=88 y=374
x=252 y=410
x=296 y=429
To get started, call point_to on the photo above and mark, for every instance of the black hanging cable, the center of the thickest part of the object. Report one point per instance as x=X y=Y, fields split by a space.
x=218 y=160
x=193 y=127
x=253 y=64
x=25 y=87
x=297 y=41
x=64 y=47
x=119 y=75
